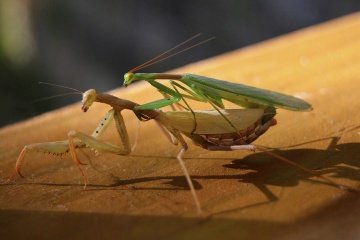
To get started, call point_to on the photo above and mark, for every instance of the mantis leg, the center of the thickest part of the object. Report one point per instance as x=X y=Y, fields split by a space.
x=174 y=98
x=225 y=118
x=176 y=106
x=193 y=95
x=55 y=148
x=99 y=145
x=185 y=171
x=80 y=140
x=168 y=135
x=198 y=95
x=174 y=85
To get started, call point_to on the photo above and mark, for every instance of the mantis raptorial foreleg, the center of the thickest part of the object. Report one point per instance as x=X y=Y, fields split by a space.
x=80 y=140
x=175 y=106
x=56 y=148
x=175 y=97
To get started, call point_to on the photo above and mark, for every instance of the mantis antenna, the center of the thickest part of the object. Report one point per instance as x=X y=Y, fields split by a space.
x=172 y=52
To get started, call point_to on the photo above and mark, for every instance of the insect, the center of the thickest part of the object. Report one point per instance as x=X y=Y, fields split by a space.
x=212 y=90
x=212 y=133
x=209 y=90
x=205 y=89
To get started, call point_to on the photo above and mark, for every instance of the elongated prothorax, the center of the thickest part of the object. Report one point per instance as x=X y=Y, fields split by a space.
x=131 y=77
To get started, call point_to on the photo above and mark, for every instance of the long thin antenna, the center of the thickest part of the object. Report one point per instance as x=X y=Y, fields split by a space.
x=55 y=96
x=176 y=53
x=167 y=54
x=61 y=86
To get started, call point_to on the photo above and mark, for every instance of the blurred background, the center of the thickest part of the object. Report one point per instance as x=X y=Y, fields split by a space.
x=90 y=44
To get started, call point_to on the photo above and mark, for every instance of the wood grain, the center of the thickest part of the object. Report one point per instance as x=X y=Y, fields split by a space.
x=244 y=195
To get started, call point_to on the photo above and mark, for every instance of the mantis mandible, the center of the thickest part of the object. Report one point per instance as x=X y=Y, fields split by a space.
x=212 y=133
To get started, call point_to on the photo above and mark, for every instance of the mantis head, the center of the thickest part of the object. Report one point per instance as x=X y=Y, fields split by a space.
x=129 y=77
x=88 y=98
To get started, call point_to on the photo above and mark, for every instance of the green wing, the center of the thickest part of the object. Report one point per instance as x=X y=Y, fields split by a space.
x=244 y=95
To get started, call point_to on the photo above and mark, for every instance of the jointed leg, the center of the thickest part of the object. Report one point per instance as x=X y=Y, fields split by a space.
x=185 y=171
x=76 y=160
x=225 y=118
x=175 y=106
x=93 y=142
x=168 y=135
x=174 y=98
x=136 y=136
x=188 y=179
x=174 y=137
x=188 y=106
x=80 y=140
x=56 y=148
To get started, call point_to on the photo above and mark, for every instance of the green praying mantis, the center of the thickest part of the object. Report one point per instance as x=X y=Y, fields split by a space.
x=210 y=90
x=205 y=89
x=218 y=129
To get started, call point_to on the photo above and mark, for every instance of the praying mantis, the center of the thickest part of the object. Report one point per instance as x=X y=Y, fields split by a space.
x=212 y=133
x=210 y=90
x=205 y=89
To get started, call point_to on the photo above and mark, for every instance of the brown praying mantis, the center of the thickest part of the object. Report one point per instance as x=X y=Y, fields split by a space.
x=212 y=132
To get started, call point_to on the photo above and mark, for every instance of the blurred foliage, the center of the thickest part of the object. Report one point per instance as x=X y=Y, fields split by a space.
x=91 y=44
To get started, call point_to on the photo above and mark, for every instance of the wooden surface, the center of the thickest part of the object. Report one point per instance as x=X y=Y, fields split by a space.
x=244 y=195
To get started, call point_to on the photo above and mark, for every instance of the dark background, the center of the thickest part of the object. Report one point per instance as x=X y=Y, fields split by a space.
x=90 y=44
